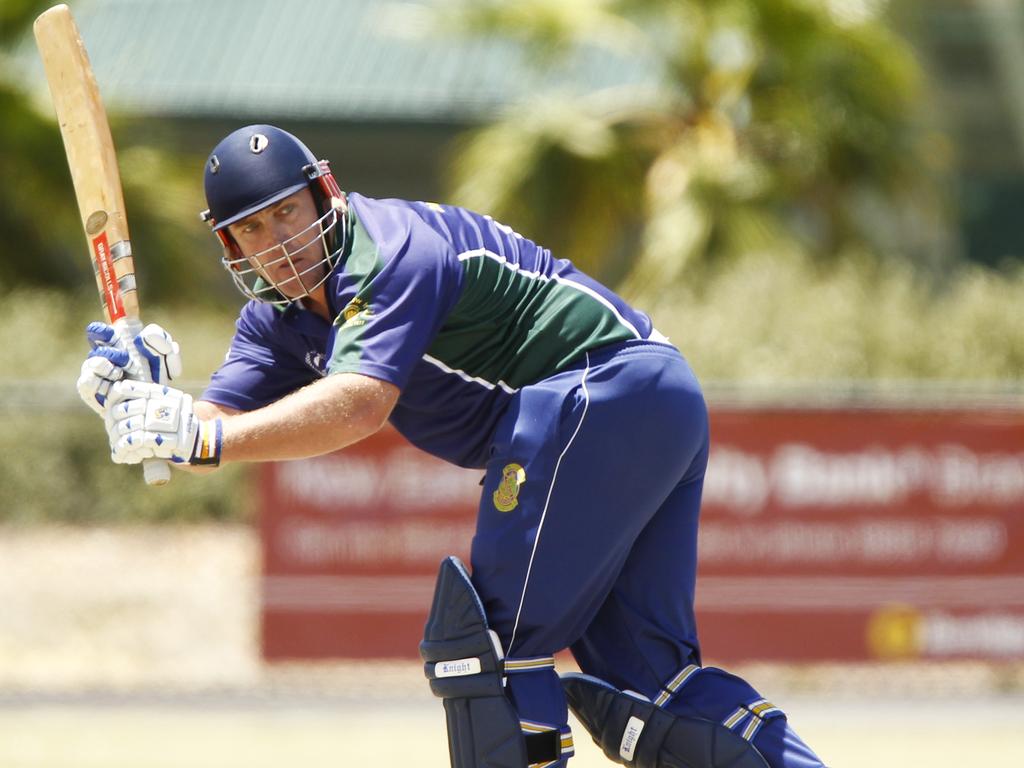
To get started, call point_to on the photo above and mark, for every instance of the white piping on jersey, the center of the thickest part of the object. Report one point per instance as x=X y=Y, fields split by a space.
x=547 y=501
x=471 y=379
x=545 y=278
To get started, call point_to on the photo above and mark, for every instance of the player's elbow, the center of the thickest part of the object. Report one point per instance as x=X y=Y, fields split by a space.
x=376 y=416
x=377 y=405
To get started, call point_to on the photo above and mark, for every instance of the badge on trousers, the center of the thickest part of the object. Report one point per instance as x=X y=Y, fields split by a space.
x=506 y=497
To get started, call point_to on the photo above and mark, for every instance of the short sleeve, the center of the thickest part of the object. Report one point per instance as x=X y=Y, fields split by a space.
x=405 y=288
x=256 y=371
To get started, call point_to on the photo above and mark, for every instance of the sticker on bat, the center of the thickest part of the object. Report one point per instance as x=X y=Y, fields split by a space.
x=108 y=280
x=97 y=221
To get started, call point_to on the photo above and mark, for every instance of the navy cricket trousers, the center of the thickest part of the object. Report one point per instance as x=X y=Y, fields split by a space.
x=587 y=539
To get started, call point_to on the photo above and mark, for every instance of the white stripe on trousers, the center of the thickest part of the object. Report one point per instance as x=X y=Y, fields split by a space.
x=547 y=502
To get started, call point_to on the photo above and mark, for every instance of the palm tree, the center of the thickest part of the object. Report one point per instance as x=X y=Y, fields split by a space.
x=761 y=125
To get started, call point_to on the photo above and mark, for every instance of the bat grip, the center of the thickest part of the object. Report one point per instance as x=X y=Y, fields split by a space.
x=155 y=471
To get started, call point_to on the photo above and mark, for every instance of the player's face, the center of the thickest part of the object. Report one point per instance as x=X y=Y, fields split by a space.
x=283 y=242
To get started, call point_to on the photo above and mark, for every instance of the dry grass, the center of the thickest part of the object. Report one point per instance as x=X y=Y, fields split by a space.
x=891 y=733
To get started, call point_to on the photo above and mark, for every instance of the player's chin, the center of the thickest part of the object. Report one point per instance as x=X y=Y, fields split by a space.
x=295 y=287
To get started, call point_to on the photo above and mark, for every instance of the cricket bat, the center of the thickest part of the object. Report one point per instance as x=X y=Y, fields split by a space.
x=93 y=163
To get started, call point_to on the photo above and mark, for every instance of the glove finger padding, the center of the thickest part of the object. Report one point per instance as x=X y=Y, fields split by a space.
x=99 y=372
x=101 y=335
x=130 y=416
x=109 y=360
x=130 y=389
x=150 y=420
x=104 y=341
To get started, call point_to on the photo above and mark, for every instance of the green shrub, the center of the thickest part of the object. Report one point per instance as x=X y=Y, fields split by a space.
x=56 y=468
x=44 y=334
x=54 y=460
x=778 y=319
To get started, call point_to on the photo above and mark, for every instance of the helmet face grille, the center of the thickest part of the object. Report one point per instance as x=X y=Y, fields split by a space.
x=293 y=268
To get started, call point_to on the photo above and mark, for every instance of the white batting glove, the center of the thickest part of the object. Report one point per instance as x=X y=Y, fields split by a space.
x=99 y=372
x=147 y=421
x=152 y=351
x=160 y=353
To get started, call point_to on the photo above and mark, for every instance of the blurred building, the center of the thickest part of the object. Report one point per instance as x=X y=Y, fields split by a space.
x=377 y=87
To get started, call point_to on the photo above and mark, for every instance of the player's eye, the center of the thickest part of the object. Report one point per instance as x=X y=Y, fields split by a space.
x=249 y=227
x=286 y=209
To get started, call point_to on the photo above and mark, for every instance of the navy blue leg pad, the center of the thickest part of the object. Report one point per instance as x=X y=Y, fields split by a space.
x=639 y=734
x=464 y=665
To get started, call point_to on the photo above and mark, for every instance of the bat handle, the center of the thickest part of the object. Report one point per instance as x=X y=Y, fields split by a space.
x=155 y=471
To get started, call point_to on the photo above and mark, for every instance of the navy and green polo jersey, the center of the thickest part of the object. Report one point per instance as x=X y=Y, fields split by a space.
x=455 y=309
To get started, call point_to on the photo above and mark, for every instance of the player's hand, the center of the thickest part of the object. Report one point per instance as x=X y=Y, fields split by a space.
x=153 y=348
x=160 y=353
x=101 y=369
x=151 y=352
x=147 y=421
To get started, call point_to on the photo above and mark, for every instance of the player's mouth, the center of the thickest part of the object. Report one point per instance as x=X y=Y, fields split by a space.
x=290 y=269
x=299 y=274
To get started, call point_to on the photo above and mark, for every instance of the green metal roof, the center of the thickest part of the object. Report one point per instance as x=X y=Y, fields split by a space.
x=332 y=60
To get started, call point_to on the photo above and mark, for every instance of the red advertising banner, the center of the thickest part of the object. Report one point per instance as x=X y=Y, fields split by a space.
x=351 y=546
x=846 y=535
x=826 y=534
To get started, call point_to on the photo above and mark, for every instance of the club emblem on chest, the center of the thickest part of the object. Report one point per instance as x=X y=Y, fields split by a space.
x=356 y=313
x=506 y=497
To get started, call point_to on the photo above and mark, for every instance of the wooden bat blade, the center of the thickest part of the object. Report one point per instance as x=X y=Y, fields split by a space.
x=94 y=172
x=91 y=158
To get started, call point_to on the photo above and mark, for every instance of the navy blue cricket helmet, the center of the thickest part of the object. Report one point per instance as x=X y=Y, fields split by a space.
x=256 y=166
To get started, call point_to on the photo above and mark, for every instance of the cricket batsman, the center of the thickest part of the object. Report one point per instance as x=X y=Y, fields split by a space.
x=484 y=349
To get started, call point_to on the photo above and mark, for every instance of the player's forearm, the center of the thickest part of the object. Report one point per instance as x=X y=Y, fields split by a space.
x=327 y=415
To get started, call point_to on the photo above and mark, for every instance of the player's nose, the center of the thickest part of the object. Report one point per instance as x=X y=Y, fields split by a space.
x=280 y=231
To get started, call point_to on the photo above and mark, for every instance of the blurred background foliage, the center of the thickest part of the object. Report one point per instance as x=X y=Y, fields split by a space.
x=779 y=194
x=773 y=125
x=54 y=462
x=38 y=212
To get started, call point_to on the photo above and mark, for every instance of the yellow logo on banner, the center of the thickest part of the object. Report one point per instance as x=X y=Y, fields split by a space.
x=894 y=632
x=506 y=497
